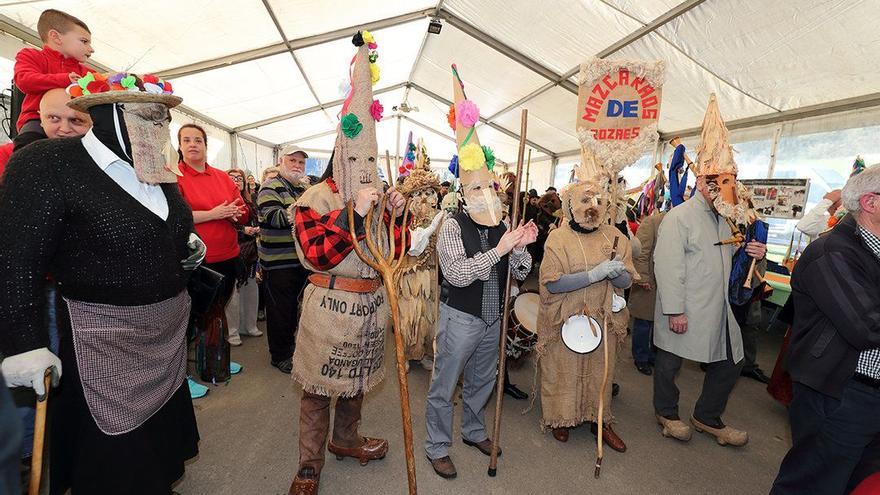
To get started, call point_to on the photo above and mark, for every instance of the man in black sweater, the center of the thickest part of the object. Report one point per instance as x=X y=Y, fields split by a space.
x=834 y=357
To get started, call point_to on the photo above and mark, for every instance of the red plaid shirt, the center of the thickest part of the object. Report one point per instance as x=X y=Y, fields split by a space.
x=325 y=239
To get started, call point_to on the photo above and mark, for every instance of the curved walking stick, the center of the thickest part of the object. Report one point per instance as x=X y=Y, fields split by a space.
x=502 y=347
x=600 y=426
x=39 y=437
x=389 y=267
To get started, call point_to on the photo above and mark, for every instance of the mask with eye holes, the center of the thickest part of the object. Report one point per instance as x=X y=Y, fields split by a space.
x=587 y=203
x=139 y=133
x=481 y=200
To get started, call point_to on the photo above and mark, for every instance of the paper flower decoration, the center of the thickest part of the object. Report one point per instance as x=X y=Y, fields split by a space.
x=489 y=155
x=166 y=86
x=453 y=165
x=450 y=116
x=376 y=110
x=374 y=73
x=74 y=90
x=369 y=40
x=358 y=39
x=351 y=126
x=467 y=113
x=116 y=78
x=471 y=157
x=153 y=88
x=97 y=87
x=373 y=57
x=129 y=81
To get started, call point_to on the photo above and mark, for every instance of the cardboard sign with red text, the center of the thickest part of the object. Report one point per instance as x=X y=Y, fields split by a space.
x=619 y=107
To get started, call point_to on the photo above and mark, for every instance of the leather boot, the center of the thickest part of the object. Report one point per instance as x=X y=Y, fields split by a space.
x=609 y=437
x=561 y=434
x=347 y=442
x=314 y=423
x=305 y=482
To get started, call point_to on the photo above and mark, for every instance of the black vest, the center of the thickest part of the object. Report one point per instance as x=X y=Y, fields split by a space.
x=470 y=299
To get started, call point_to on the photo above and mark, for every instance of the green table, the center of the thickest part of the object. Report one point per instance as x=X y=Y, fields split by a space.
x=781 y=285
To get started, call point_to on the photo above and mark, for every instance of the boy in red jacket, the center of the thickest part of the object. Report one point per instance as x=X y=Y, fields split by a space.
x=67 y=41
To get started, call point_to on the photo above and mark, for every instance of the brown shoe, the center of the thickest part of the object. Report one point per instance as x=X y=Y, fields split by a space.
x=443 y=467
x=609 y=438
x=485 y=446
x=370 y=450
x=561 y=434
x=304 y=483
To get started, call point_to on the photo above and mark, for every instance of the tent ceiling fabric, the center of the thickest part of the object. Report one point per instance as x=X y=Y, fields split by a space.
x=760 y=58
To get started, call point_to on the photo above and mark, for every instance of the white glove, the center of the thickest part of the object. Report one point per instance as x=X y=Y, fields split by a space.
x=420 y=236
x=617 y=303
x=606 y=269
x=28 y=369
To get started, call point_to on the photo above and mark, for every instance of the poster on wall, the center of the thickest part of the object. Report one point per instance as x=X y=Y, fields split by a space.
x=619 y=108
x=779 y=198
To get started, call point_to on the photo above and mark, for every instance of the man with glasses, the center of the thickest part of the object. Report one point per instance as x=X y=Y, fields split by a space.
x=834 y=357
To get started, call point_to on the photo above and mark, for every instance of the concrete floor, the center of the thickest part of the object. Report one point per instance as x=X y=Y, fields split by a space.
x=249 y=440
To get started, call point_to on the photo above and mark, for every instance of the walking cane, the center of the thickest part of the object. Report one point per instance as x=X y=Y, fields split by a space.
x=601 y=416
x=39 y=437
x=502 y=348
x=389 y=268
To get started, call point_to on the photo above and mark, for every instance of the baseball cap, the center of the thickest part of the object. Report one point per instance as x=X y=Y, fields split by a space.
x=289 y=150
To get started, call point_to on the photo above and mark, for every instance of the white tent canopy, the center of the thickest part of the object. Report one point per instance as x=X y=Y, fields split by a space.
x=272 y=72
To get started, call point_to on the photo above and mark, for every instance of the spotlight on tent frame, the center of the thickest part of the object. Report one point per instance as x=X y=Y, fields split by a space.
x=435 y=26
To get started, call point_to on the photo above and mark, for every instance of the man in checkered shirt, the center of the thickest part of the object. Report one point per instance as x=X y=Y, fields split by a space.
x=834 y=357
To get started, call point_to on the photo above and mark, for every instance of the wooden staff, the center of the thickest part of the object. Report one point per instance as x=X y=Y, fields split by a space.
x=502 y=347
x=39 y=437
x=390 y=268
x=601 y=416
x=526 y=196
x=388 y=168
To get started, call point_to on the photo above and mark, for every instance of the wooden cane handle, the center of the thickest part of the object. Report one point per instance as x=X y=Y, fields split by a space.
x=748 y=282
x=39 y=437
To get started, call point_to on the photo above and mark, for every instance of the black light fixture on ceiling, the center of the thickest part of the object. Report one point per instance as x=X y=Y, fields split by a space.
x=435 y=26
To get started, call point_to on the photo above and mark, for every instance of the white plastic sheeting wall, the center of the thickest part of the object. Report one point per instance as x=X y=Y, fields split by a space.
x=758 y=57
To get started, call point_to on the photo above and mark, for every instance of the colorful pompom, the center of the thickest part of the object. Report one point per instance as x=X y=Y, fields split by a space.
x=471 y=157
x=376 y=110
x=128 y=81
x=74 y=91
x=450 y=116
x=116 y=78
x=152 y=88
x=150 y=78
x=374 y=73
x=166 y=86
x=350 y=125
x=467 y=113
x=85 y=80
x=453 y=165
x=95 y=87
x=489 y=155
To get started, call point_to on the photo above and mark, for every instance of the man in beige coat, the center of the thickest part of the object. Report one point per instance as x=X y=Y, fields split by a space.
x=693 y=317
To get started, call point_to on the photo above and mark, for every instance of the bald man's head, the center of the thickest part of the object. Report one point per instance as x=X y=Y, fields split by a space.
x=59 y=120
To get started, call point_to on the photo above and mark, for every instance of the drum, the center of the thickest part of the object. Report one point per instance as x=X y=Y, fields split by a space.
x=521 y=332
x=582 y=334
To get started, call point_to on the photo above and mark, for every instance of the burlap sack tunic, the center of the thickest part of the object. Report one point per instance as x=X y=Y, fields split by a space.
x=570 y=382
x=340 y=342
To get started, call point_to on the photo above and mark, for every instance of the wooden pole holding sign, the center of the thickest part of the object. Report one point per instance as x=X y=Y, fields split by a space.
x=502 y=348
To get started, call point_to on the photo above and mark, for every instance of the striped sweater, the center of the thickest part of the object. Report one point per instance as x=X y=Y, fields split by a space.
x=276 y=247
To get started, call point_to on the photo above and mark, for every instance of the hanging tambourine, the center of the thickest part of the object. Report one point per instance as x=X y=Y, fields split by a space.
x=582 y=334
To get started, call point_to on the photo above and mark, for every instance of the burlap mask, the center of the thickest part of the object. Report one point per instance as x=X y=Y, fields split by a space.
x=586 y=203
x=148 y=130
x=481 y=200
x=355 y=157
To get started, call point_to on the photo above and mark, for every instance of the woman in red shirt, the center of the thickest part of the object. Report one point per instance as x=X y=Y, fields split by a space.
x=217 y=207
